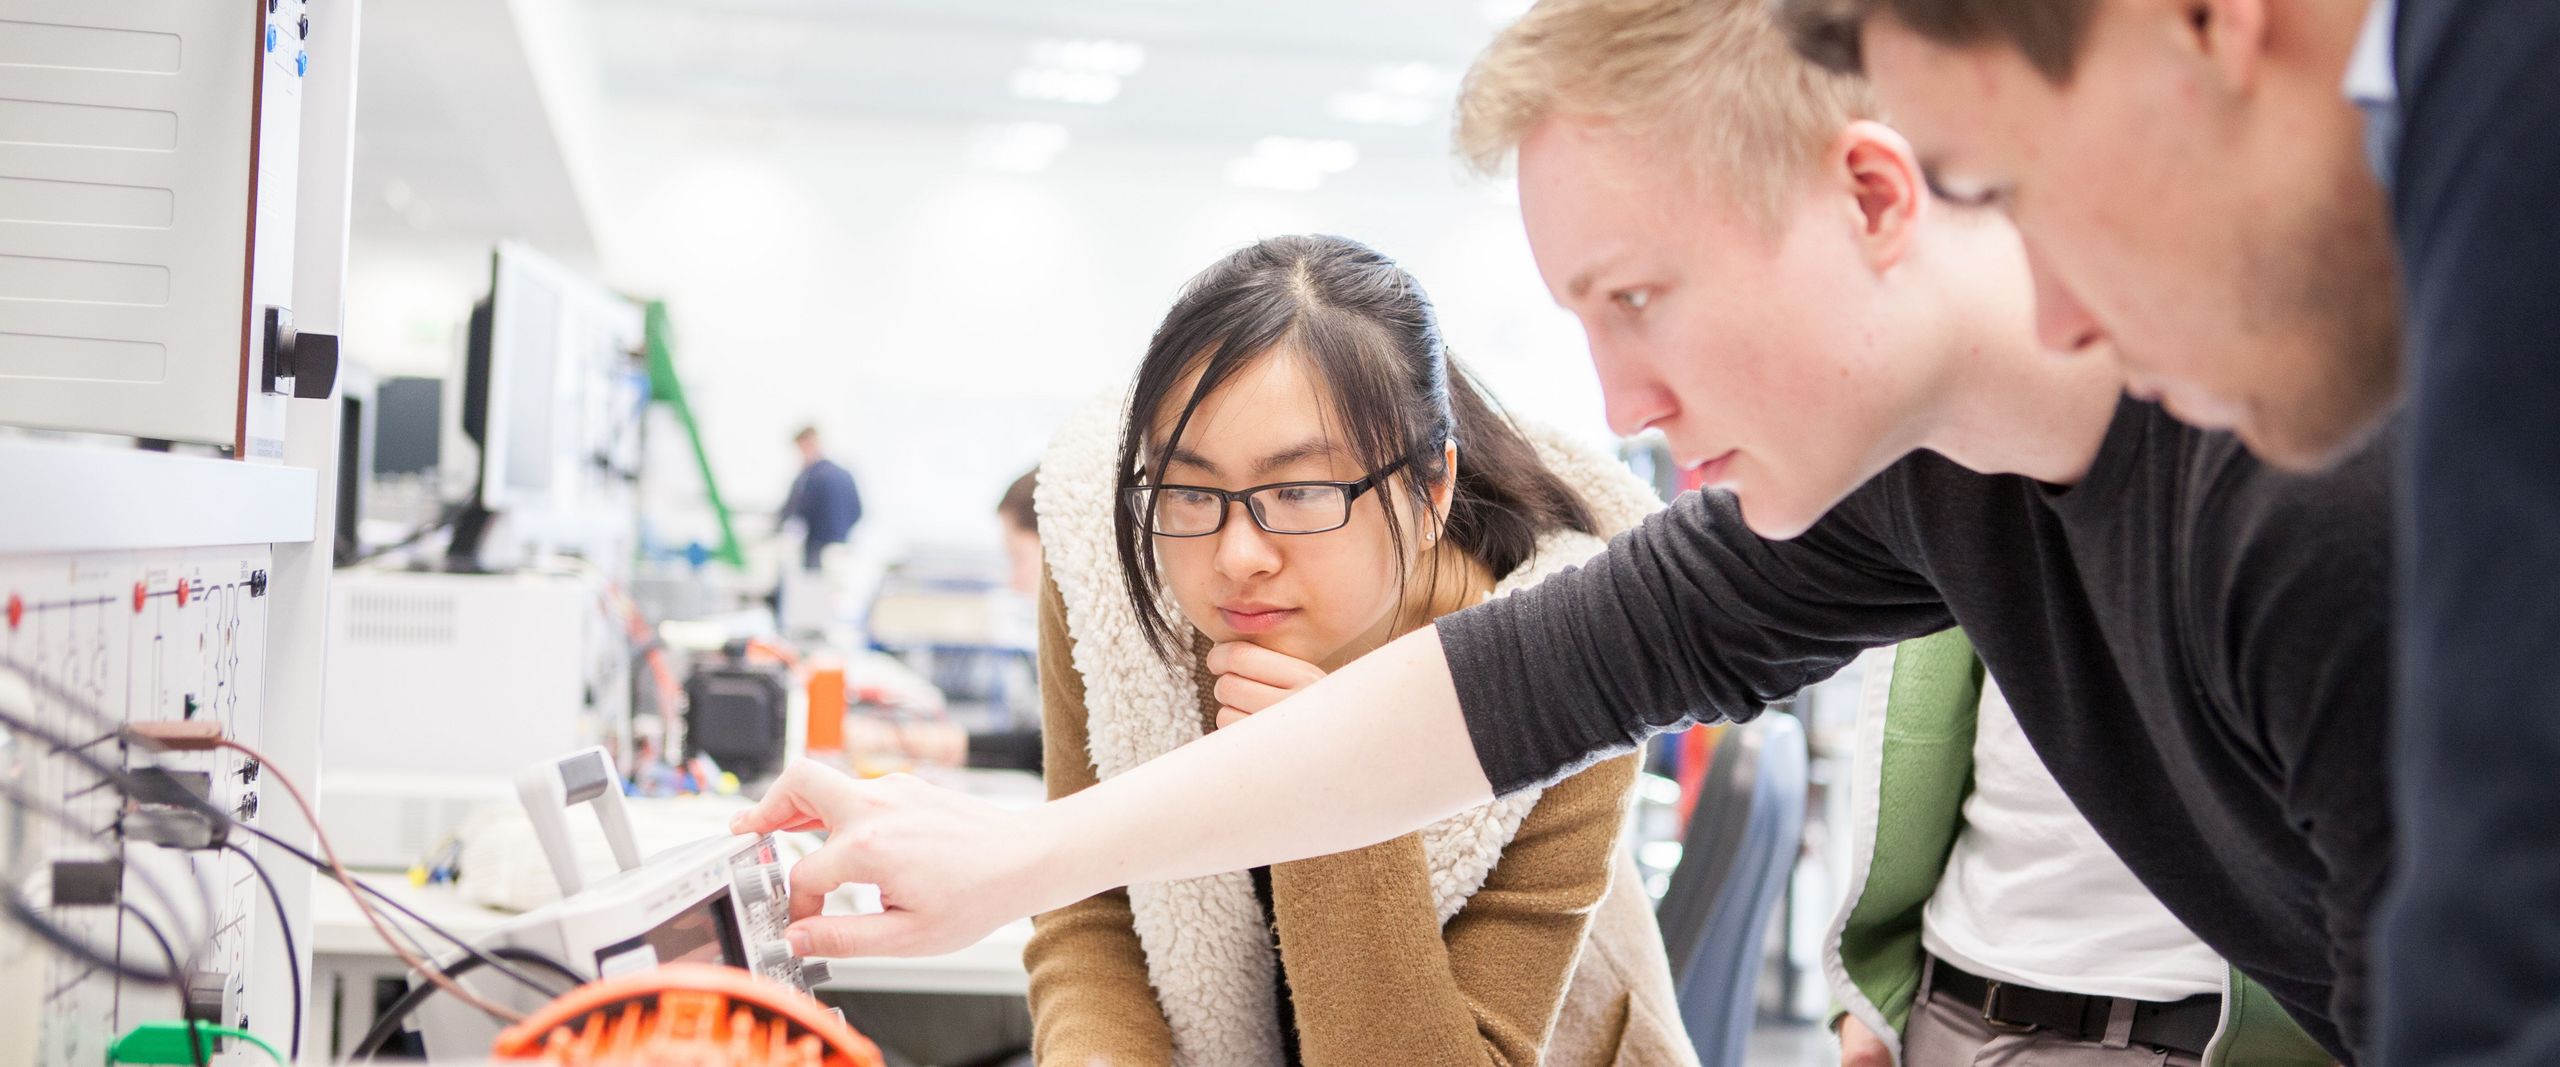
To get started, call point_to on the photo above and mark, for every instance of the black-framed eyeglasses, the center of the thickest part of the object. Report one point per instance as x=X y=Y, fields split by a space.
x=1277 y=508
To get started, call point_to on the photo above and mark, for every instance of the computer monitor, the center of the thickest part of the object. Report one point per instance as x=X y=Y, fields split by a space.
x=510 y=382
x=546 y=349
x=408 y=426
x=355 y=443
x=525 y=434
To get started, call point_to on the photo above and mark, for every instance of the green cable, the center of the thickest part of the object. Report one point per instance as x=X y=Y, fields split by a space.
x=165 y=1042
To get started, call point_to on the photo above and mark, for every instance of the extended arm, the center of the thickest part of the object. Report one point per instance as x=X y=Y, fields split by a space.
x=1686 y=616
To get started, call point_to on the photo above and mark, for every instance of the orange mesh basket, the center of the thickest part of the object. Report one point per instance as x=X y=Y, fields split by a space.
x=687 y=1015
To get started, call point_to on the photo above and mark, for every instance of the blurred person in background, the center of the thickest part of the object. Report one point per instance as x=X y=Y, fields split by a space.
x=1021 y=535
x=823 y=499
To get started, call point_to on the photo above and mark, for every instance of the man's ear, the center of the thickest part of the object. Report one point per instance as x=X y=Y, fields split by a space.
x=2229 y=35
x=1875 y=166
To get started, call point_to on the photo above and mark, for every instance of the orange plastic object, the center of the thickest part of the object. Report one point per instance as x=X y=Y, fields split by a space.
x=687 y=1015
x=826 y=709
x=1697 y=750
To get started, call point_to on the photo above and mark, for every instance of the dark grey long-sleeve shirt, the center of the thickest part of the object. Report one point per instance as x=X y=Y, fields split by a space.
x=2194 y=643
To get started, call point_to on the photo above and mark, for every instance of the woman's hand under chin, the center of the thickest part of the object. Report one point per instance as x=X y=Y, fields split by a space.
x=1251 y=678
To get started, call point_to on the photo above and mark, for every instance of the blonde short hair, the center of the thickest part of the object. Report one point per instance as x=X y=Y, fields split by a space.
x=1713 y=80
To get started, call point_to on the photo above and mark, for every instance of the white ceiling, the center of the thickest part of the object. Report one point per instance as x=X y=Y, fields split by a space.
x=1214 y=70
x=454 y=138
x=473 y=113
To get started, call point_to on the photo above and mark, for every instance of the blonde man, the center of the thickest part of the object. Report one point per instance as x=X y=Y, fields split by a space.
x=2191 y=641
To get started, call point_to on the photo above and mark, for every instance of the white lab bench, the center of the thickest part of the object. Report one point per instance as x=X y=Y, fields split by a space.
x=350 y=961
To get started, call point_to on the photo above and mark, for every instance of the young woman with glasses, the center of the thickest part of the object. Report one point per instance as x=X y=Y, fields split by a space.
x=1299 y=474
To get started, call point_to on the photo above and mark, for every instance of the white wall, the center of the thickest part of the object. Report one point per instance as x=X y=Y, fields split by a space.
x=408 y=298
x=937 y=321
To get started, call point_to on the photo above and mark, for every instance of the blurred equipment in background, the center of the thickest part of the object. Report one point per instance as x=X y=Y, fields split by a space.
x=524 y=642
x=357 y=410
x=450 y=682
x=1743 y=836
x=828 y=702
x=408 y=422
x=554 y=391
x=402 y=490
x=738 y=712
x=975 y=640
x=667 y=388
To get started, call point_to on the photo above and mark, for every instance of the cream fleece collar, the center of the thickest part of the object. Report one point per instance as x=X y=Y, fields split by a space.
x=1209 y=955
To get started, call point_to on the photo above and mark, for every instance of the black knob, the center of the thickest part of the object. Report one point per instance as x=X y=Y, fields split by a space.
x=306 y=364
x=315 y=366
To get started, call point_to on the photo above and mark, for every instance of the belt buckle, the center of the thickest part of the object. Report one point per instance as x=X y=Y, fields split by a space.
x=1991 y=1005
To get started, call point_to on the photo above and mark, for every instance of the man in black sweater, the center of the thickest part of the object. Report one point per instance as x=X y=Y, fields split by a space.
x=2192 y=642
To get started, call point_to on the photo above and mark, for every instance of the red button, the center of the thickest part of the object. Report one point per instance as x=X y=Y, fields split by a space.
x=182 y=592
x=138 y=594
x=17 y=610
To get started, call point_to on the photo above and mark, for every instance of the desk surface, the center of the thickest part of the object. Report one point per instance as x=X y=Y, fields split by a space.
x=992 y=966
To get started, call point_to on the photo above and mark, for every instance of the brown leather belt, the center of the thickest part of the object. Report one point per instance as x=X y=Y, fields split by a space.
x=2183 y=1025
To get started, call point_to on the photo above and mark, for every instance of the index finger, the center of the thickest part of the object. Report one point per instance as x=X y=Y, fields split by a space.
x=1221 y=654
x=1277 y=669
x=799 y=799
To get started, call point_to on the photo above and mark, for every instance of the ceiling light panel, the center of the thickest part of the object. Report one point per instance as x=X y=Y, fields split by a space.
x=1292 y=164
x=1397 y=94
x=1018 y=147
x=1085 y=72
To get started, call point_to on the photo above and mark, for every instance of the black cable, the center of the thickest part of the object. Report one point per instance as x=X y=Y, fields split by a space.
x=45 y=931
x=131 y=785
x=469 y=950
x=124 y=780
x=416 y=947
x=389 y=1023
x=385 y=898
x=54 y=935
x=195 y=1041
x=221 y=821
x=284 y=925
x=450 y=515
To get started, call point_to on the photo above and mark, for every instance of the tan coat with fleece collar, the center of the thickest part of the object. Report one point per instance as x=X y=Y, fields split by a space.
x=1512 y=934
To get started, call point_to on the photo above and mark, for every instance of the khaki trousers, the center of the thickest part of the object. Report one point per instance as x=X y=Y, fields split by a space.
x=1946 y=1033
